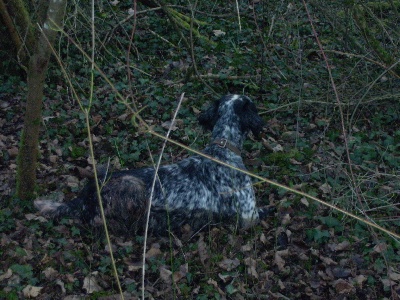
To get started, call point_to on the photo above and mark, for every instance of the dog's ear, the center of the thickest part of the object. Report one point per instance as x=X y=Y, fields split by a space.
x=209 y=117
x=249 y=118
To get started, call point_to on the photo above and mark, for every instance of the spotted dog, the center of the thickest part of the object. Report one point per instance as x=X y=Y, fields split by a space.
x=195 y=191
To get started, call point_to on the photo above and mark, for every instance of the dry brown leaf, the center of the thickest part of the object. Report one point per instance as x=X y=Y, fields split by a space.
x=31 y=291
x=229 y=264
x=72 y=181
x=277 y=148
x=153 y=251
x=61 y=285
x=6 y=275
x=247 y=247
x=215 y=284
x=325 y=276
x=294 y=162
x=281 y=285
x=360 y=279
x=224 y=277
x=325 y=188
x=202 y=248
x=90 y=284
x=304 y=201
x=173 y=126
x=286 y=219
x=165 y=275
x=58 y=151
x=381 y=247
x=280 y=262
x=183 y=270
x=13 y=152
x=96 y=119
x=343 y=287
x=53 y=158
x=135 y=266
x=328 y=260
x=263 y=239
x=84 y=173
x=218 y=32
x=195 y=110
x=50 y=273
x=342 y=246
x=394 y=276
x=387 y=283
x=251 y=267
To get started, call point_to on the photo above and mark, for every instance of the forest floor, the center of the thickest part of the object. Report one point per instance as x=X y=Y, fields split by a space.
x=305 y=250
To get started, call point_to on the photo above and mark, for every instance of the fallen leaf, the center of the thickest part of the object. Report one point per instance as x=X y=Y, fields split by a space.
x=387 y=283
x=215 y=284
x=304 y=201
x=173 y=126
x=135 y=266
x=13 y=152
x=165 y=275
x=224 y=277
x=202 y=248
x=263 y=238
x=327 y=260
x=381 y=247
x=31 y=291
x=394 y=276
x=178 y=275
x=294 y=162
x=96 y=119
x=229 y=264
x=277 y=148
x=342 y=246
x=50 y=273
x=61 y=285
x=279 y=261
x=325 y=188
x=343 y=287
x=153 y=251
x=72 y=181
x=6 y=275
x=281 y=285
x=360 y=279
x=251 y=267
x=246 y=248
x=286 y=219
x=218 y=32
x=195 y=110
x=53 y=158
x=90 y=284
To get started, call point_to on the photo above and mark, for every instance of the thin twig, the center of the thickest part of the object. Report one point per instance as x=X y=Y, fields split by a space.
x=238 y=15
x=344 y=131
x=98 y=189
x=152 y=191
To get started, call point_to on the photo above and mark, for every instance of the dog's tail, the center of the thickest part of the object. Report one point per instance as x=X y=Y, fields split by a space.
x=58 y=210
x=123 y=197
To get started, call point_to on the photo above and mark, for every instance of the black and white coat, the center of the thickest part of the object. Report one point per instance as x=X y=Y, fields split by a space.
x=195 y=191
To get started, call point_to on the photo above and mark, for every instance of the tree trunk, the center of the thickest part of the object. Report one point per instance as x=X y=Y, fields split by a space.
x=37 y=68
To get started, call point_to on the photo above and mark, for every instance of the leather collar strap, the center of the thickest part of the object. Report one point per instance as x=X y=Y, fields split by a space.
x=224 y=143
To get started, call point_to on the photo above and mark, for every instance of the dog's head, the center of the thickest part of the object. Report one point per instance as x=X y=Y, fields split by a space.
x=236 y=107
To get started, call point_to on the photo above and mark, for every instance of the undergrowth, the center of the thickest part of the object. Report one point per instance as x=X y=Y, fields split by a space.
x=275 y=60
